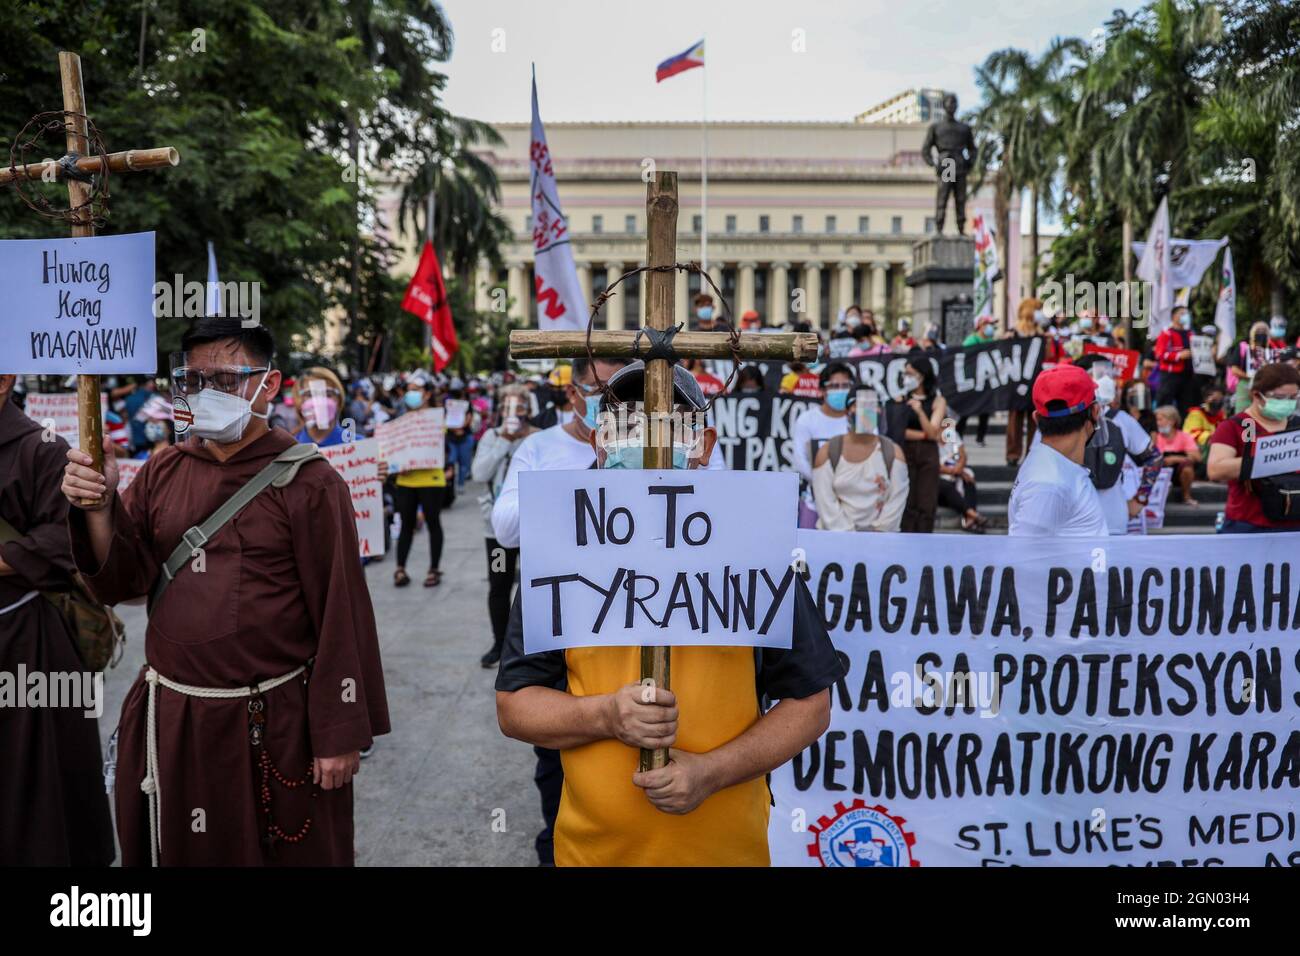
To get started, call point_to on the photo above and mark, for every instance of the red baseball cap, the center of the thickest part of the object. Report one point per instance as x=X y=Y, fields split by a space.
x=1063 y=390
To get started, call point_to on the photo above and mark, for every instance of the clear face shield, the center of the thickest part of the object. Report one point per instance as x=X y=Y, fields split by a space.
x=624 y=431
x=211 y=398
x=865 y=406
x=515 y=411
x=1139 y=397
x=1101 y=434
x=319 y=403
x=1103 y=373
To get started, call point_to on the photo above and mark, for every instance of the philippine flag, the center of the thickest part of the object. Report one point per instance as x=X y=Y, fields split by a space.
x=680 y=63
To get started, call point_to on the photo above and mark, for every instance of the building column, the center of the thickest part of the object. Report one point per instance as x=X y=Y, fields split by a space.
x=482 y=278
x=864 y=287
x=584 y=283
x=812 y=298
x=715 y=273
x=614 y=306
x=846 y=286
x=779 y=312
x=879 y=276
x=518 y=293
x=745 y=294
x=906 y=289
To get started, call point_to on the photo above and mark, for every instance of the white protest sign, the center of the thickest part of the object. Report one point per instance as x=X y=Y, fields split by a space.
x=840 y=348
x=412 y=441
x=1152 y=515
x=1277 y=454
x=1203 y=355
x=612 y=558
x=1063 y=702
x=127 y=469
x=79 y=306
x=59 y=411
x=456 y=409
x=358 y=464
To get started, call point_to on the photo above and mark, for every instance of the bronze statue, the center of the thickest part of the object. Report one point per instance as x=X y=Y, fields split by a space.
x=955 y=144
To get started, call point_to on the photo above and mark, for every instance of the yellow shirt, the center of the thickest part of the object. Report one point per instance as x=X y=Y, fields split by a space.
x=423 y=478
x=605 y=820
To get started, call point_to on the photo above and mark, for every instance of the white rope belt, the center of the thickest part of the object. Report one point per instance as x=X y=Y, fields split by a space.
x=152 y=782
x=19 y=603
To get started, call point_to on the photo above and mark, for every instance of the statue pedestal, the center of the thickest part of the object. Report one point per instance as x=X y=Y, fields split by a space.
x=942 y=279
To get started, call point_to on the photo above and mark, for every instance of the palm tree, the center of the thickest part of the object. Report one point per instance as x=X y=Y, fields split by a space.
x=1249 y=132
x=1139 y=104
x=464 y=186
x=1021 y=125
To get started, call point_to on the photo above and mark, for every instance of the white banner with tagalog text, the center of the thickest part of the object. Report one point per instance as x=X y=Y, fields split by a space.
x=1052 y=702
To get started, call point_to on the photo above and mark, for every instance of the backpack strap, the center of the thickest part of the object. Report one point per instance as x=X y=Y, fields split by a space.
x=835 y=448
x=278 y=473
x=888 y=448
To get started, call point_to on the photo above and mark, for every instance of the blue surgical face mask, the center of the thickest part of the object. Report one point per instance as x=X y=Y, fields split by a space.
x=838 y=399
x=1185 y=321
x=631 y=455
x=705 y=312
x=591 y=417
x=413 y=400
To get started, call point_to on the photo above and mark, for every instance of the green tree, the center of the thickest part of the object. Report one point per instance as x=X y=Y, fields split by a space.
x=282 y=112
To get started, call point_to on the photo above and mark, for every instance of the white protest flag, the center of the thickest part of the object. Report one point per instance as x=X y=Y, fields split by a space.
x=560 y=303
x=1225 y=313
x=213 y=304
x=987 y=269
x=1156 y=267
x=1188 y=258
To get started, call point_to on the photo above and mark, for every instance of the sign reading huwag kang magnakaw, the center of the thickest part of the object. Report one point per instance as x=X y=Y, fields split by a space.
x=1064 y=702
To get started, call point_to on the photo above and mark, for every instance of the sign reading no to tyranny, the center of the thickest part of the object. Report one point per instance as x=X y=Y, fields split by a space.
x=650 y=558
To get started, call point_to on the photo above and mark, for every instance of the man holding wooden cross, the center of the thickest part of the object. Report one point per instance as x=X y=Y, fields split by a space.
x=708 y=806
x=704 y=802
x=239 y=739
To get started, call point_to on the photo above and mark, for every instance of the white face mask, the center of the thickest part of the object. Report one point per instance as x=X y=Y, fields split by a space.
x=222 y=417
x=1106 y=391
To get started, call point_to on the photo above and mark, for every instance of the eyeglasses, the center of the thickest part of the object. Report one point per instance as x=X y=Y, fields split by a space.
x=188 y=380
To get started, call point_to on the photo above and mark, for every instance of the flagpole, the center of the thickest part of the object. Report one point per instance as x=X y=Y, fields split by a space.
x=704 y=170
x=428 y=237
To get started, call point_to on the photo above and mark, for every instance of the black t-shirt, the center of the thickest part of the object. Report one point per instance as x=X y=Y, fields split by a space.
x=808 y=666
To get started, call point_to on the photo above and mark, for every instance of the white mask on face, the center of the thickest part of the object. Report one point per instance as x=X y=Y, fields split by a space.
x=1106 y=390
x=222 y=417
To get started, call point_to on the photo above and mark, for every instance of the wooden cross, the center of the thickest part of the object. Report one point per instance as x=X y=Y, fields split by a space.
x=661 y=251
x=89 y=415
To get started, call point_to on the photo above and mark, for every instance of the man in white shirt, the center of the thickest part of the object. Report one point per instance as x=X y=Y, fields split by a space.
x=825 y=421
x=565 y=447
x=1053 y=494
x=1126 y=440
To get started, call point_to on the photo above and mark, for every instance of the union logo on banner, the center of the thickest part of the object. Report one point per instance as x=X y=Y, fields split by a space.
x=862 y=836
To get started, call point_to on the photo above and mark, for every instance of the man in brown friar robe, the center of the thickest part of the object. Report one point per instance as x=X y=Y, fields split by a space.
x=263 y=673
x=53 y=808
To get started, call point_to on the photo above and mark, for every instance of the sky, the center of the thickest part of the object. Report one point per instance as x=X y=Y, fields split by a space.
x=596 y=59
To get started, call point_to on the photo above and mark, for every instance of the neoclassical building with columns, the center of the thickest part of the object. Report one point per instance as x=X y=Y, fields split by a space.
x=809 y=216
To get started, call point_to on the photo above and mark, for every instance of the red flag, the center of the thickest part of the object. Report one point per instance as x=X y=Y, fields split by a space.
x=426 y=297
